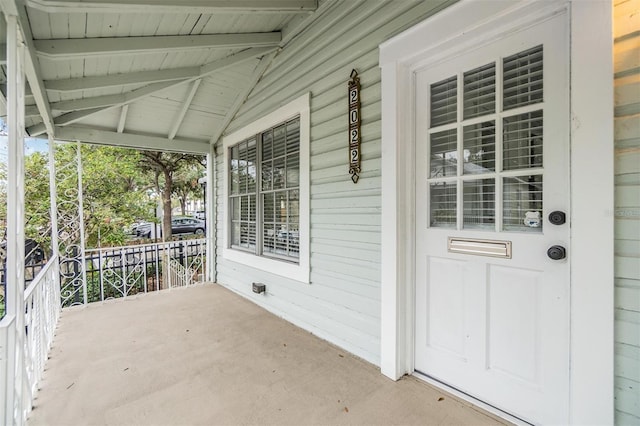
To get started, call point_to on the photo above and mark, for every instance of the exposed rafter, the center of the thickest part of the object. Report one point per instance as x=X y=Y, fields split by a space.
x=242 y=96
x=110 y=100
x=123 y=118
x=100 y=103
x=184 y=109
x=130 y=140
x=64 y=48
x=31 y=64
x=117 y=80
x=174 y=6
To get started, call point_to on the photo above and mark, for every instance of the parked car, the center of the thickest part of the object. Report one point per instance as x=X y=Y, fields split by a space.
x=179 y=225
x=33 y=253
x=200 y=214
x=187 y=225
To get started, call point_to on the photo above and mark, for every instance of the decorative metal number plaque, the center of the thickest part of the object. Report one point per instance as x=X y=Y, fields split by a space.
x=354 y=126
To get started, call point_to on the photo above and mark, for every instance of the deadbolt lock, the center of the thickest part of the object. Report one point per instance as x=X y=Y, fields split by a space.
x=557 y=252
x=557 y=217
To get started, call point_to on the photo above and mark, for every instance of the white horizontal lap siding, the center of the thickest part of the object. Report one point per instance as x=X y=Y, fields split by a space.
x=342 y=302
x=627 y=211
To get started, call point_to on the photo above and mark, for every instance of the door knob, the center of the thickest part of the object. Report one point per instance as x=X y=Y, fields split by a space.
x=557 y=217
x=557 y=252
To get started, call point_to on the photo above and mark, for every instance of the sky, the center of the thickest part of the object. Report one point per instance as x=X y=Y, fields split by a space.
x=31 y=145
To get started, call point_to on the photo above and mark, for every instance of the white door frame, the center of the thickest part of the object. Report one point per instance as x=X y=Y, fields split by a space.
x=591 y=257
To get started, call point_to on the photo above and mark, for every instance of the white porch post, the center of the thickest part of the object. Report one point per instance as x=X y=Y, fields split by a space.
x=210 y=208
x=15 y=222
x=53 y=196
x=81 y=219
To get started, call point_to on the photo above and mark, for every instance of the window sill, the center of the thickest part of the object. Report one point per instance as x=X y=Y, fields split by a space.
x=297 y=272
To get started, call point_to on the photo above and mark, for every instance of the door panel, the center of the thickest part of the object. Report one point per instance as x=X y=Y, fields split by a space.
x=492 y=150
x=446 y=306
x=513 y=316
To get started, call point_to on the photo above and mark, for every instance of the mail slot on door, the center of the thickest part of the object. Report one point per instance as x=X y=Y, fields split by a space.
x=491 y=248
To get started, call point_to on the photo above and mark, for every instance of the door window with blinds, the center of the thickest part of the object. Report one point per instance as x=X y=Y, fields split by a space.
x=265 y=192
x=485 y=146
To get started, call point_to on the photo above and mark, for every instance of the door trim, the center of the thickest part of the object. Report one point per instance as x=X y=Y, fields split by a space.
x=592 y=236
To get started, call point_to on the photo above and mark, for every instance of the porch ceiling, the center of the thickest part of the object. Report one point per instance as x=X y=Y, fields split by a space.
x=173 y=71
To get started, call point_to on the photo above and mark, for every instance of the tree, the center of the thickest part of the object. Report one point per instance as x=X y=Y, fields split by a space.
x=165 y=167
x=186 y=186
x=36 y=199
x=114 y=192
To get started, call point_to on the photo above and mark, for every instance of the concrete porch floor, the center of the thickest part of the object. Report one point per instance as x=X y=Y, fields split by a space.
x=205 y=355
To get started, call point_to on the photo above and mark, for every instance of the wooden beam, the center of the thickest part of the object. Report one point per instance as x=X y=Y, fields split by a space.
x=31 y=64
x=63 y=120
x=184 y=109
x=258 y=72
x=105 y=81
x=123 y=117
x=110 y=100
x=174 y=6
x=131 y=140
x=56 y=48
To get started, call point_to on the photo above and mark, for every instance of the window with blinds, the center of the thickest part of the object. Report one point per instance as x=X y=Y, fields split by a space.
x=264 y=192
x=486 y=146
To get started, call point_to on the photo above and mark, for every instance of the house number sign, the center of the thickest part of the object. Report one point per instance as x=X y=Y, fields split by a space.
x=354 y=126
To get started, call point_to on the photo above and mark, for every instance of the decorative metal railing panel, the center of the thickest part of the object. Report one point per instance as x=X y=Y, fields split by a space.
x=42 y=310
x=116 y=272
x=73 y=290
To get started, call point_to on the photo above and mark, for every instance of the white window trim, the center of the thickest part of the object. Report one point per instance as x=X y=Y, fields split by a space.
x=299 y=271
x=464 y=25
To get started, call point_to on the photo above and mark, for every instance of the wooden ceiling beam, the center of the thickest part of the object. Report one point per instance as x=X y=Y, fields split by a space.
x=123 y=118
x=185 y=107
x=130 y=140
x=257 y=74
x=66 y=48
x=115 y=80
x=174 y=6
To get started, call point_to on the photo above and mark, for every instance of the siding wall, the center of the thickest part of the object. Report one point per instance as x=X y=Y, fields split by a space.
x=627 y=197
x=342 y=303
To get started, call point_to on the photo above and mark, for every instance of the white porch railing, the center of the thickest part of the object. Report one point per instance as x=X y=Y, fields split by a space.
x=112 y=272
x=116 y=272
x=42 y=310
x=180 y=275
x=8 y=349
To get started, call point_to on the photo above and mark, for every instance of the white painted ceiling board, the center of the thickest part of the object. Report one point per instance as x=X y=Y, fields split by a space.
x=40 y=24
x=152 y=116
x=59 y=25
x=198 y=125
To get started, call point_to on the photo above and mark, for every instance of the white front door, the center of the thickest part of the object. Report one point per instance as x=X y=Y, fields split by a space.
x=492 y=164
